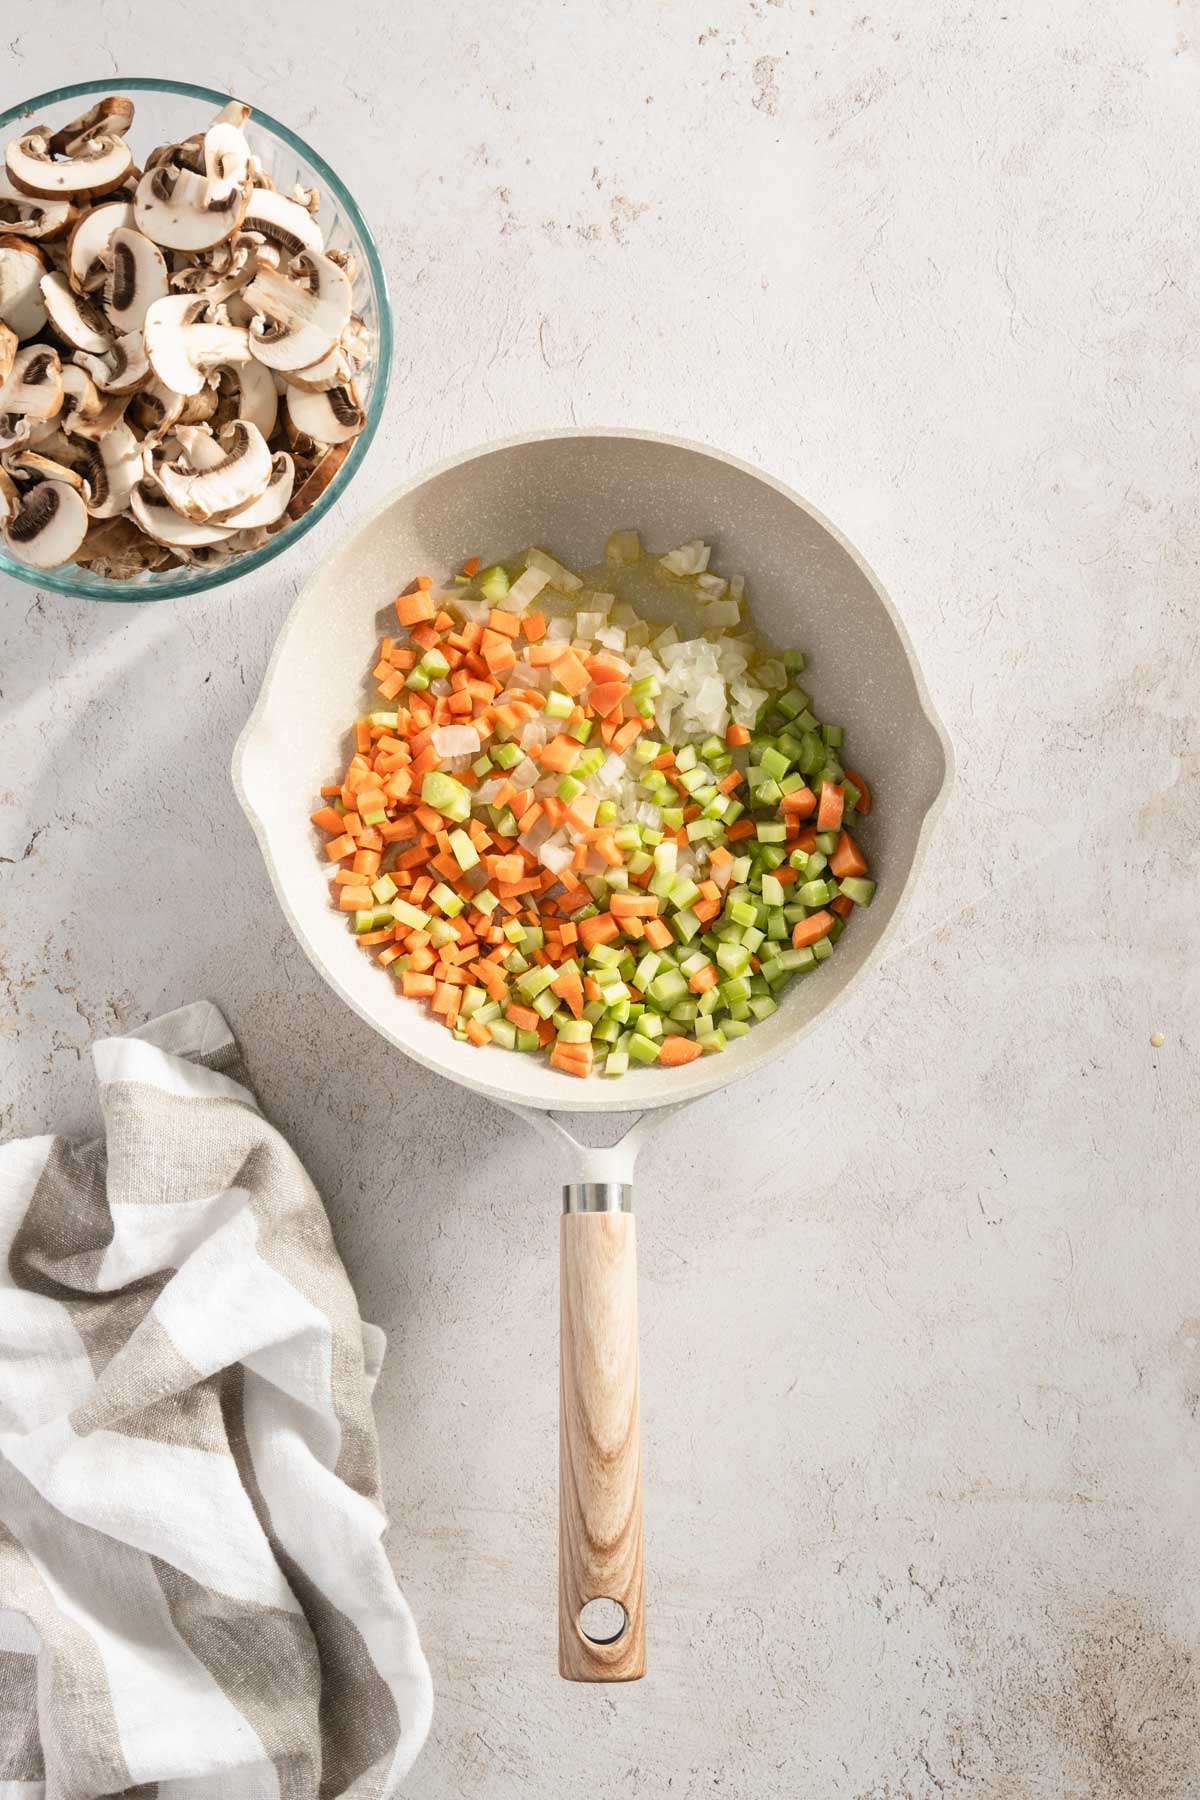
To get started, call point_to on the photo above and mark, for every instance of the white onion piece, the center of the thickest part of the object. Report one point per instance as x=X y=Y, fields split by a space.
x=456 y=740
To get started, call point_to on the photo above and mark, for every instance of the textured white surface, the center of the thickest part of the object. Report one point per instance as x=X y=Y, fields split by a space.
x=921 y=1348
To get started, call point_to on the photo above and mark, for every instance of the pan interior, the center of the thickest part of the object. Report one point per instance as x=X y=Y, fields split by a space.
x=807 y=589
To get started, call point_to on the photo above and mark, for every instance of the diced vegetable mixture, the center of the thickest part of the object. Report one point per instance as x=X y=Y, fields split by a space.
x=567 y=829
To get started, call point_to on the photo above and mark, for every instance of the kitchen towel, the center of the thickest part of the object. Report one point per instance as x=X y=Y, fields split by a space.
x=195 y=1603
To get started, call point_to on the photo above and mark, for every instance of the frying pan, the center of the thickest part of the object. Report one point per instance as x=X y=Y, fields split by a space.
x=807 y=588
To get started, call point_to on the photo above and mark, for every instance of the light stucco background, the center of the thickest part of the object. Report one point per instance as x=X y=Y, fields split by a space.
x=921 y=1306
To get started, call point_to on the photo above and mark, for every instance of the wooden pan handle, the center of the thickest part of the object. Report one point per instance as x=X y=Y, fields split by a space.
x=599 y=1473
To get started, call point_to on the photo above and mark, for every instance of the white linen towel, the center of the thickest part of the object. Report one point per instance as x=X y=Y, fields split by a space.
x=195 y=1603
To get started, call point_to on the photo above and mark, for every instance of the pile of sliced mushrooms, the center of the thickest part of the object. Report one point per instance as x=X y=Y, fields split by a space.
x=178 y=348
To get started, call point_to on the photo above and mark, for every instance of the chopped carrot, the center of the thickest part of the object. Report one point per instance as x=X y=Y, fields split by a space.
x=411 y=609
x=737 y=734
x=605 y=697
x=679 y=1050
x=472 y=565
x=847 y=859
x=523 y=1017
x=829 y=812
x=807 y=931
x=328 y=819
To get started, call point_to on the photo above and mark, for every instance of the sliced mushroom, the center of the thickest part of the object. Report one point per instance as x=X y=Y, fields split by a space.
x=284 y=223
x=253 y=395
x=24 y=216
x=44 y=468
x=89 y=245
x=156 y=407
x=345 y=261
x=10 y=496
x=272 y=503
x=300 y=325
x=241 y=475
x=80 y=399
x=234 y=112
x=110 y=117
x=317 y=480
x=356 y=342
x=184 y=211
x=95 y=165
x=333 y=416
x=137 y=277
x=93 y=426
x=8 y=352
x=333 y=370
x=80 y=324
x=183 y=347
x=111 y=469
x=48 y=526
x=123 y=369
x=22 y=266
x=199 y=408
x=187 y=153
x=159 y=520
x=226 y=154
x=34 y=386
x=308 y=198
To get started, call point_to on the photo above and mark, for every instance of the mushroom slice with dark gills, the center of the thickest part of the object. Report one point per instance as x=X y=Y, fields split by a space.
x=34 y=386
x=90 y=241
x=111 y=468
x=48 y=526
x=22 y=266
x=155 y=408
x=137 y=277
x=240 y=474
x=110 y=117
x=184 y=211
x=290 y=228
x=183 y=347
x=159 y=520
x=317 y=478
x=300 y=323
x=94 y=165
x=73 y=317
x=330 y=416
x=123 y=369
x=29 y=216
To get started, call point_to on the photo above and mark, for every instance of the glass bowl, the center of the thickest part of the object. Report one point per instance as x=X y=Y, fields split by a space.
x=165 y=112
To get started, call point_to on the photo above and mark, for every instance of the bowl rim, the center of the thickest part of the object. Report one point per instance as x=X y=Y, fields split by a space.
x=94 y=587
x=709 y=1073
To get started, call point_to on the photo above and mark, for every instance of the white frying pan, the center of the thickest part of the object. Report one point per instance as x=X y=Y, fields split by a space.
x=807 y=589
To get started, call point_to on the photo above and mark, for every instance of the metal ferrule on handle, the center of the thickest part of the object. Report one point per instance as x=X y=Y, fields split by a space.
x=597 y=1197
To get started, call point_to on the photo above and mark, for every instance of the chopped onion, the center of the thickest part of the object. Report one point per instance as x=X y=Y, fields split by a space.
x=456 y=740
x=689 y=559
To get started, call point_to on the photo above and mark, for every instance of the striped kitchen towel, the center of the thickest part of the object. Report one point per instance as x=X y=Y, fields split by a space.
x=195 y=1603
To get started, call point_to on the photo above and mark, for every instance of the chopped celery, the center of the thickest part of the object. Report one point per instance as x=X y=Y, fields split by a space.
x=465 y=853
x=494 y=583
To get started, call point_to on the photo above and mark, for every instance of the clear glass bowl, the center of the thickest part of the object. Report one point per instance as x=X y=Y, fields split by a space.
x=165 y=112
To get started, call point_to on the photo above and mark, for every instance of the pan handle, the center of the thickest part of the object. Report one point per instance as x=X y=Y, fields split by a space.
x=601 y=1576
x=601 y=1579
